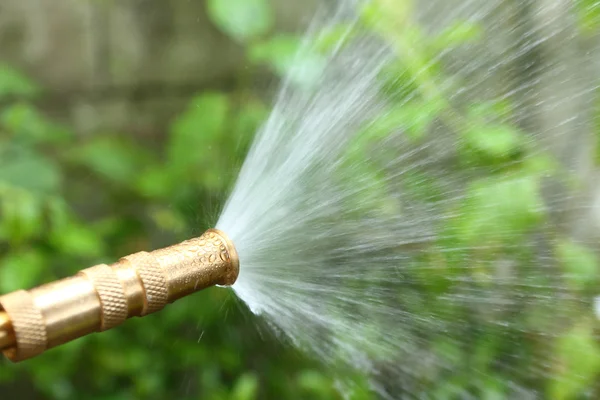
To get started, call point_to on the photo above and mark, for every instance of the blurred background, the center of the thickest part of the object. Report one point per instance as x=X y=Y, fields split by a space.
x=123 y=125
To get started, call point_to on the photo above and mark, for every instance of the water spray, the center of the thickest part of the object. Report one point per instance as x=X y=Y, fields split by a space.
x=104 y=296
x=407 y=211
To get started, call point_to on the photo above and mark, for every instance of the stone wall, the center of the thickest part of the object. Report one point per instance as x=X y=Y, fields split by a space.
x=125 y=65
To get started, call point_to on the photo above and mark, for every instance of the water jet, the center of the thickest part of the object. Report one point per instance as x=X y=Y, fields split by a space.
x=418 y=225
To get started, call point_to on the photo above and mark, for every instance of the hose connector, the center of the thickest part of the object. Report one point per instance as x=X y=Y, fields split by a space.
x=104 y=296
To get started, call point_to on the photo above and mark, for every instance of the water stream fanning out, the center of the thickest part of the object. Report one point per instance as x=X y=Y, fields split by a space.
x=422 y=202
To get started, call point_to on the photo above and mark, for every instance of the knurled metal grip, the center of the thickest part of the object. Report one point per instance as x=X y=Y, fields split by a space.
x=153 y=280
x=28 y=325
x=113 y=303
x=104 y=296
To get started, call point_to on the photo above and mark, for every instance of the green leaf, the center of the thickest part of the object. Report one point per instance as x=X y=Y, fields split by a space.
x=196 y=132
x=245 y=124
x=448 y=352
x=277 y=51
x=494 y=141
x=398 y=84
x=596 y=124
x=307 y=70
x=417 y=117
x=541 y=164
x=459 y=33
x=155 y=182
x=357 y=170
x=588 y=12
x=422 y=186
x=483 y=353
x=403 y=81
x=580 y=265
x=335 y=36
x=243 y=20
x=28 y=170
x=314 y=382
x=25 y=122
x=490 y=111
x=246 y=388
x=149 y=383
x=301 y=63
x=578 y=363
x=493 y=388
x=412 y=118
x=112 y=158
x=13 y=83
x=59 y=214
x=77 y=240
x=500 y=209
x=22 y=215
x=169 y=220
x=387 y=17
x=21 y=270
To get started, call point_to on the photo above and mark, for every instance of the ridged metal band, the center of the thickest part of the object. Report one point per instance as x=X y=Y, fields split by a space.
x=28 y=325
x=153 y=280
x=111 y=294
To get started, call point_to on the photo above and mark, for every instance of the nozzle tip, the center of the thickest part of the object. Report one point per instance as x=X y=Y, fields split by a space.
x=230 y=256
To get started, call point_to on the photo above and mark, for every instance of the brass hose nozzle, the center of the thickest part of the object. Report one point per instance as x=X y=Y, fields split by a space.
x=104 y=296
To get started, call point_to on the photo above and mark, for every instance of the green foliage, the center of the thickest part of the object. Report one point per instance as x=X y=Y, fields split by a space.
x=282 y=54
x=246 y=388
x=457 y=34
x=501 y=208
x=578 y=363
x=12 y=83
x=68 y=201
x=26 y=124
x=596 y=126
x=111 y=157
x=243 y=20
x=588 y=12
x=494 y=141
x=194 y=147
x=278 y=51
x=21 y=270
x=580 y=265
x=29 y=170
